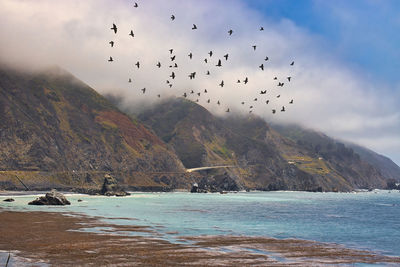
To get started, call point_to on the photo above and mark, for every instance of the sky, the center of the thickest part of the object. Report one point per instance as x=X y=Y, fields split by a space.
x=344 y=82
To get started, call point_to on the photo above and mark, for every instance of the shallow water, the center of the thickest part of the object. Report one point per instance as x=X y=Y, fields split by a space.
x=365 y=220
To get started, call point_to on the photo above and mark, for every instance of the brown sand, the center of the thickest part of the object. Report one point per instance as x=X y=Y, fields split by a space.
x=55 y=239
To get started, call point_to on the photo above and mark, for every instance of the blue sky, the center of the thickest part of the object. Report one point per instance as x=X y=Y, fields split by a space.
x=364 y=33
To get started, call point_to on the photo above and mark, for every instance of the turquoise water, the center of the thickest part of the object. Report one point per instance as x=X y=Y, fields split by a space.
x=365 y=220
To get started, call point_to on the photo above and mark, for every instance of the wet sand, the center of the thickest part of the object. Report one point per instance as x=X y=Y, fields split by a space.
x=57 y=239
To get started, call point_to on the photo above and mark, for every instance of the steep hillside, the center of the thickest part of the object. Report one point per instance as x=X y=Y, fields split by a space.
x=342 y=158
x=266 y=159
x=55 y=131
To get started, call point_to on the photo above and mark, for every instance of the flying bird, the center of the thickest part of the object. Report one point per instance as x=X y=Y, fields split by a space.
x=263 y=92
x=289 y=78
x=131 y=34
x=226 y=56
x=130 y=80
x=254 y=47
x=198 y=94
x=261 y=67
x=242 y=103
x=208 y=72
x=275 y=78
x=190 y=55
x=251 y=107
x=110 y=59
x=159 y=95
x=222 y=83
x=255 y=99
x=291 y=101
x=218 y=102
x=227 y=110
x=143 y=90
x=205 y=91
x=278 y=96
x=273 y=111
x=114 y=28
x=192 y=92
x=210 y=53
x=283 y=109
x=281 y=84
x=238 y=81
x=219 y=63
x=266 y=58
x=205 y=60
x=246 y=80
x=184 y=95
x=172 y=75
x=230 y=32
x=291 y=64
x=137 y=64
x=172 y=17
x=170 y=51
x=194 y=27
x=173 y=58
x=159 y=64
x=208 y=101
x=135 y=5
x=111 y=43
x=261 y=28
x=266 y=102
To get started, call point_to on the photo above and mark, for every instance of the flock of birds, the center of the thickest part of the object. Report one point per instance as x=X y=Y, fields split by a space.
x=219 y=63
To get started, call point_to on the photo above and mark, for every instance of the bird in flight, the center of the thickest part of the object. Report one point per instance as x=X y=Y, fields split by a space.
x=172 y=75
x=194 y=27
x=291 y=101
x=208 y=72
x=137 y=64
x=130 y=80
x=261 y=67
x=278 y=96
x=184 y=95
x=222 y=83
x=263 y=92
x=159 y=64
x=135 y=5
x=110 y=59
x=111 y=43
x=190 y=55
x=275 y=78
x=255 y=99
x=261 y=28
x=266 y=58
x=266 y=102
x=171 y=50
x=226 y=56
x=173 y=58
x=242 y=103
x=219 y=63
x=227 y=110
x=273 y=111
x=210 y=53
x=172 y=17
x=208 y=101
x=192 y=92
x=131 y=34
x=254 y=47
x=205 y=60
x=230 y=32
x=291 y=64
x=238 y=81
x=143 y=90
x=246 y=80
x=283 y=109
x=218 y=103
x=281 y=84
x=205 y=91
x=159 y=95
x=289 y=78
x=114 y=28
x=198 y=94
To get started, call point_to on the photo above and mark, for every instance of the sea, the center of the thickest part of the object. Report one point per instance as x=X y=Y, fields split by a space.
x=361 y=220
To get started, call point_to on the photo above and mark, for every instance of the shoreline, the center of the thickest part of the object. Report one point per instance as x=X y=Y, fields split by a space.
x=58 y=239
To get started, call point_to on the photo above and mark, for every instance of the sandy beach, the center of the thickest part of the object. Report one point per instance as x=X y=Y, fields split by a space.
x=58 y=240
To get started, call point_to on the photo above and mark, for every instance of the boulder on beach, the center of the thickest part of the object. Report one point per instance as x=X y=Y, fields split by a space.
x=9 y=200
x=111 y=187
x=51 y=198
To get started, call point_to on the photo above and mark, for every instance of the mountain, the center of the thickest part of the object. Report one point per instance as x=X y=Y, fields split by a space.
x=55 y=131
x=387 y=167
x=265 y=159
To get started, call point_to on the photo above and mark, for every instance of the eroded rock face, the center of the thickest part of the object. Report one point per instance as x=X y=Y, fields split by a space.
x=111 y=187
x=51 y=198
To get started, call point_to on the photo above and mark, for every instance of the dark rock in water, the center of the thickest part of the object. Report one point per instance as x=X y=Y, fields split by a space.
x=111 y=188
x=195 y=188
x=52 y=198
x=79 y=200
x=9 y=200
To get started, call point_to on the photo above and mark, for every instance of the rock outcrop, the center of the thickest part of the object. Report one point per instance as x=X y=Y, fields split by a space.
x=9 y=200
x=111 y=187
x=52 y=198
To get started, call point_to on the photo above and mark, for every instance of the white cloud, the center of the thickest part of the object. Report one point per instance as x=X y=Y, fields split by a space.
x=327 y=94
